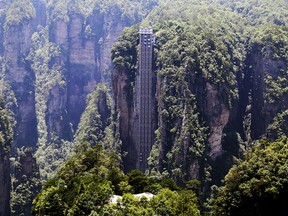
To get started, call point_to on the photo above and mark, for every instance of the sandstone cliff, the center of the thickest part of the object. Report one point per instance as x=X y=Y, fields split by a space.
x=50 y=88
x=20 y=77
x=203 y=123
x=50 y=61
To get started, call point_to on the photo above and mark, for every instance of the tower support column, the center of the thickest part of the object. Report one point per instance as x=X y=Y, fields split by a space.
x=146 y=98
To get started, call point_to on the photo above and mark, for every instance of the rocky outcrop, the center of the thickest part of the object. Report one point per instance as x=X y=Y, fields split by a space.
x=84 y=58
x=40 y=19
x=218 y=114
x=83 y=71
x=128 y=119
x=85 y=55
x=264 y=69
x=57 y=118
x=1 y=39
x=113 y=28
x=81 y=62
x=203 y=123
x=21 y=78
x=59 y=35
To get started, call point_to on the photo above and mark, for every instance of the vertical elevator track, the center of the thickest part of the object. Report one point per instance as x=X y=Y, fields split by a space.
x=146 y=131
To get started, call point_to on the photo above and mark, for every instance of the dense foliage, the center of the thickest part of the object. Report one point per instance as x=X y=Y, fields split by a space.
x=131 y=10
x=209 y=61
x=19 y=12
x=96 y=121
x=6 y=136
x=86 y=183
x=25 y=180
x=47 y=75
x=124 y=57
x=6 y=133
x=258 y=185
x=166 y=202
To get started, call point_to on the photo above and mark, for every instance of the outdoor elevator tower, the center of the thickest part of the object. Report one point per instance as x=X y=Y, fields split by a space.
x=146 y=97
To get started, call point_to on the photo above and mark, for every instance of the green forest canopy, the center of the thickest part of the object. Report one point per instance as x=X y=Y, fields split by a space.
x=87 y=182
x=258 y=184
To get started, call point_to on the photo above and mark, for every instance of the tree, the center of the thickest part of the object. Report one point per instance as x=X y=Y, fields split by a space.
x=168 y=202
x=82 y=186
x=19 y=11
x=6 y=135
x=137 y=180
x=258 y=185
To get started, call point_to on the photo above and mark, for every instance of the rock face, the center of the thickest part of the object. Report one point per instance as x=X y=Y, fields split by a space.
x=83 y=69
x=208 y=129
x=57 y=118
x=83 y=60
x=4 y=184
x=128 y=120
x=113 y=29
x=218 y=115
x=266 y=71
x=87 y=59
x=21 y=78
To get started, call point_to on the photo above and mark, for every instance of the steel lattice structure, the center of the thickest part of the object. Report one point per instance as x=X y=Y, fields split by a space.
x=146 y=130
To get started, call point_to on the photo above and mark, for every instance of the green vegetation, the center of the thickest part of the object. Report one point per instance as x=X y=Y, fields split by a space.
x=58 y=10
x=279 y=126
x=124 y=58
x=210 y=47
x=258 y=185
x=3 y=11
x=129 y=10
x=6 y=137
x=19 y=11
x=6 y=92
x=25 y=180
x=166 y=202
x=273 y=43
x=48 y=76
x=96 y=123
x=86 y=183
x=6 y=133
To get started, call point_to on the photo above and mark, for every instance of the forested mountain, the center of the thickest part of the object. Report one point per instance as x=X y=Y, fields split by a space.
x=52 y=55
x=69 y=81
x=221 y=84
